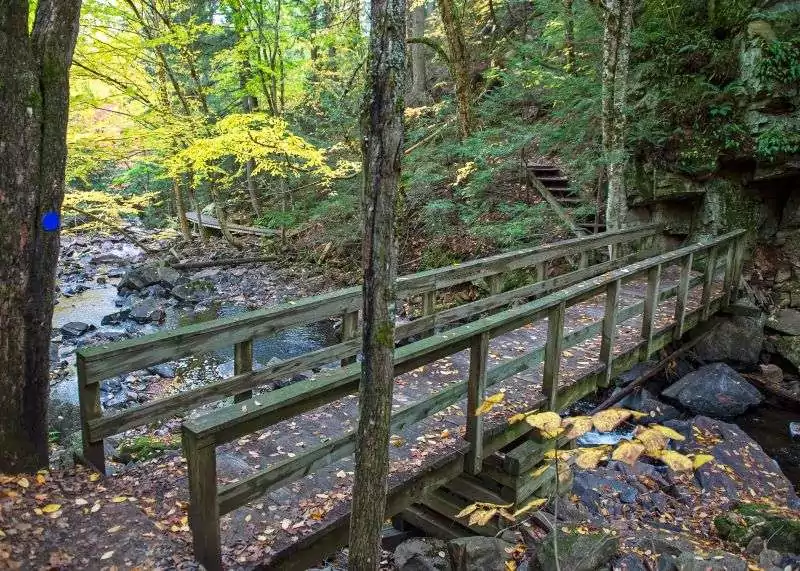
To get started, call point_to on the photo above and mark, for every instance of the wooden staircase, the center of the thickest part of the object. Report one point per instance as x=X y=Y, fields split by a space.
x=551 y=183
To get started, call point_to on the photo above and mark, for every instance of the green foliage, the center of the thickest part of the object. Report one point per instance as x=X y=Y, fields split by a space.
x=780 y=63
x=780 y=139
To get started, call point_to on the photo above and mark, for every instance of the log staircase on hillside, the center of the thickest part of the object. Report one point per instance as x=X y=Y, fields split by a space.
x=550 y=182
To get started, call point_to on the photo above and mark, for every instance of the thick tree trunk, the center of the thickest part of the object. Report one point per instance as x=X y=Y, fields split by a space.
x=180 y=210
x=382 y=127
x=419 y=71
x=34 y=99
x=459 y=65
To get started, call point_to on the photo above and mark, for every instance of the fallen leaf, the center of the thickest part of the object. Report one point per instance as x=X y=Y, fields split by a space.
x=668 y=432
x=578 y=426
x=628 y=452
x=676 y=460
x=701 y=459
x=607 y=420
x=119 y=499
x=489 y=403
x=589 y=458
x=80 y=502
x=548 y=423
x=114 y=529
x=50 y=508
x=533 y=504
x=23 y=482
x=107 y=555
x=467 y=510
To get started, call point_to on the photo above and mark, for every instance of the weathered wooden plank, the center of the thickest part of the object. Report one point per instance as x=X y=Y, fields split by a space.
x=211 y=222
x=473 y=490
x=609 y=332
x=728 y=279
x=541 y=271
x=683 y=292
x=528 y=483
x=89 y=402
x=738 y=265
x=243 y=363
x=449 y=505
x=203 y=510
x=104 y=361
x=650 y=306
x=168 y=407
x=476 y=392
x=349 y=331
x=552 y=353
x=708 y=282
x=433 y=524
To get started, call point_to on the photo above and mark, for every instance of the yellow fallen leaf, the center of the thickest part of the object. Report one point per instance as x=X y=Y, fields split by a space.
x=652 y=439
x=107 y=555
x=676 y=460
x=485 y=516
x=23 y=482
x=607 y=420
x=50 y=508
x=701 y=459
x=467 y=510
x=511 y=565
x=40 y=479
x=589 y=458
x=519 y=417
x=94 y=477
x=114 y=529
x=548 y=423
x=532 y=505
x=578 y=426
x=489 y=403
x=668 y=432
x=628 y=452
x=2 y=534
x=119 y=499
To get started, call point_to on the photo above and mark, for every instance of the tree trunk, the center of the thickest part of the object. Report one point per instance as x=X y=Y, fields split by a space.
x=419 y=72
x=459 y=65
x=569 y=35
x=180 y=210
x=34 y=100
x=382 y=128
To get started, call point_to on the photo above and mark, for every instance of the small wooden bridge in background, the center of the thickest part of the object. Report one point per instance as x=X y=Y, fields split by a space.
x=211 y=222
x=547 y=343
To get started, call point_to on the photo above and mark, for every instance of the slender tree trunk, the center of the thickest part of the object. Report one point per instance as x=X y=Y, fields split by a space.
x=419 y=72
x=34 y=100
x=569 y=35
x=180 y=210
x=197 y=208
x=459 y=65
x=382 y=128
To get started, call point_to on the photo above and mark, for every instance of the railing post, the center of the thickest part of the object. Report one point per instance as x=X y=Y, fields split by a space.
x=726 y=286
x=583 y=262
x=203 y=505
x=683 y=293
x=243 y=363
x=609 y=331
x=476 y=392
x=349 y=330
x=708 y=281
x=89 y=401
x=428 y=308
x=495 y=284
x=541 y=272
x=650 y=307
x=552 y=354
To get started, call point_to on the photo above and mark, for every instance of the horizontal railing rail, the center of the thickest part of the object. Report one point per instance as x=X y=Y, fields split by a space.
x=95 y=364
x=202 y=435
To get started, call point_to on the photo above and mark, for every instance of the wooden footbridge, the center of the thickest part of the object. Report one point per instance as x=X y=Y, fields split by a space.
x=571 y=321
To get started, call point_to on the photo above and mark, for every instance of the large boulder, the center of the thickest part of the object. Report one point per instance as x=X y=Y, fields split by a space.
x=75 y=328
x=479 y=553
x=785 y=321
x=577 y=551
x=194 y=291
x=147 y=311
x=788 y=348
x=689 y=561
x=714 y=390
x=422 y=555
x=140 y=277
x=780 y=532
x=736 y=339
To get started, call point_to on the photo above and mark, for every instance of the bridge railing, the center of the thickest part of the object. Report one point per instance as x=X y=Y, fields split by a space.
x=95 y=364
x=202 y=435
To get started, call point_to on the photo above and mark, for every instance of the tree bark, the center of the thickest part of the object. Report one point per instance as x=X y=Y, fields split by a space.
x=419 y=71
x=618 y=21
x=382 y=128
x=459 y=65
x=569 y=35
x=34 y=101
x=180 y=210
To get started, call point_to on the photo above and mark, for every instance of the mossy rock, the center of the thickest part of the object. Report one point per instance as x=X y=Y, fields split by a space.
x=782 y=533
x=145 y=447
x=577 y=551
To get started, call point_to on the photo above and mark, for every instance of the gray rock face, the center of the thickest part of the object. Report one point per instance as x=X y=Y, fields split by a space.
x=422 y=555
x=479 y=553
x=578 y=552
x=194 y=291
x=115 y=318
x=737 y=339
x=689 y=561
x=789 y=349
x=785 y=321
x=75 y=328
x=714 y=390
x=147 y=311
x=147 y=275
